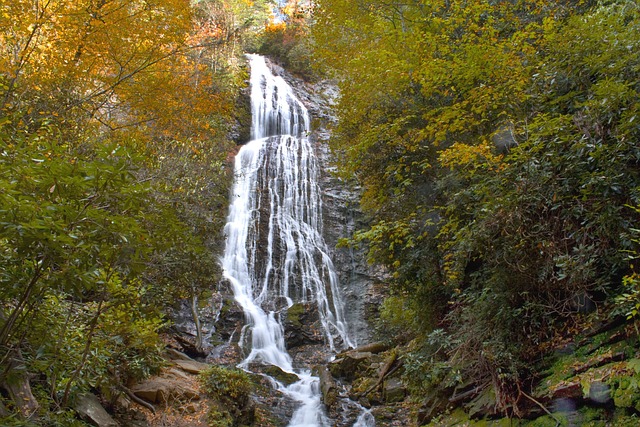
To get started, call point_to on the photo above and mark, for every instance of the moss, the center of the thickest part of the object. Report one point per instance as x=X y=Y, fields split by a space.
x=548 y=421
x=285 y=378
x=361 y=385
x=294 y=313
x=461 y=418
x=622 y=419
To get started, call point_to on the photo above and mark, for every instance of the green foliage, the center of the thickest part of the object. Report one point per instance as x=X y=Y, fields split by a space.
x=217 y=417
x=231 y=389
x=229 y=386
x=72 y=241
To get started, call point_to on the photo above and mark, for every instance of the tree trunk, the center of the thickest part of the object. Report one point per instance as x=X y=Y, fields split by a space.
x=196 y=320
x=15 y=380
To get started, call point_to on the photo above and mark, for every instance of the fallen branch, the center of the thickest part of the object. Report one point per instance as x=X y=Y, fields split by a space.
x=469 y=393
x=544 y=408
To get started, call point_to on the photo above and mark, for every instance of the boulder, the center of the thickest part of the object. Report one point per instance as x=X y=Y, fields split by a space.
x=394 y=390
x=191 y=366
x=275 y=372
x=349 y=364
x=302 y=326
x=164 y=390
x=177 y=355
x=433 y=405
x=90 y=409
x=483 y=404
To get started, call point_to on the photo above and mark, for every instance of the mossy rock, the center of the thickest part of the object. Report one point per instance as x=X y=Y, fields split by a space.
x=294 y=313
x=286 y=378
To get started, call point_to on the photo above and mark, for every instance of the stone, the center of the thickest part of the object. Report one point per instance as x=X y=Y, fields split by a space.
x=433 y=404
x=152 y=390
x=191 y=366
x=275 y=372
x=302 y=326
x=394 y=390
x=178 y=373
x=349 y=365
x=164 y=390
x=177 y=355
x=90 y=409
x=483 y=404
x=568 y=391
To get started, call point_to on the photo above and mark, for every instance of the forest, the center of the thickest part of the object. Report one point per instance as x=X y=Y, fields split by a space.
x=495 y=142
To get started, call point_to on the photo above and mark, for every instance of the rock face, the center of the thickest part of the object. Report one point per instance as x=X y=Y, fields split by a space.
x=341 y=212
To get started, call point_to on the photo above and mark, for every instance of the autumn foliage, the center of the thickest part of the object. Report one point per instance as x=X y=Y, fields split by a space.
x=116 y=120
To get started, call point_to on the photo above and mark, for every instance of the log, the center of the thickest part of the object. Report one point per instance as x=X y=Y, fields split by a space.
x=375 y=348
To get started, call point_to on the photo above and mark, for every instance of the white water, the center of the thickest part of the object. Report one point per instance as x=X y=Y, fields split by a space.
x=275 y=254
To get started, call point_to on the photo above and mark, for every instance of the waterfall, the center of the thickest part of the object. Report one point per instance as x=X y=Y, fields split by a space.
x=275 y=254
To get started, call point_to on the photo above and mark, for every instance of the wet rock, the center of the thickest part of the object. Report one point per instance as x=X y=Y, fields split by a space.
x=272 y=405
x=310 y=355
x=348 y=365
x=275 y=372
x=90 y=409
x=394 y=390
x=302 y=326
x=228 y=354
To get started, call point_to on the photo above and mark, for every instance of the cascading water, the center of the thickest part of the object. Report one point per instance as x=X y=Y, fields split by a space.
x=275 y=254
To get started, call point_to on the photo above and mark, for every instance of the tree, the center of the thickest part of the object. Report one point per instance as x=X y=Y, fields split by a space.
x=496 y=149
